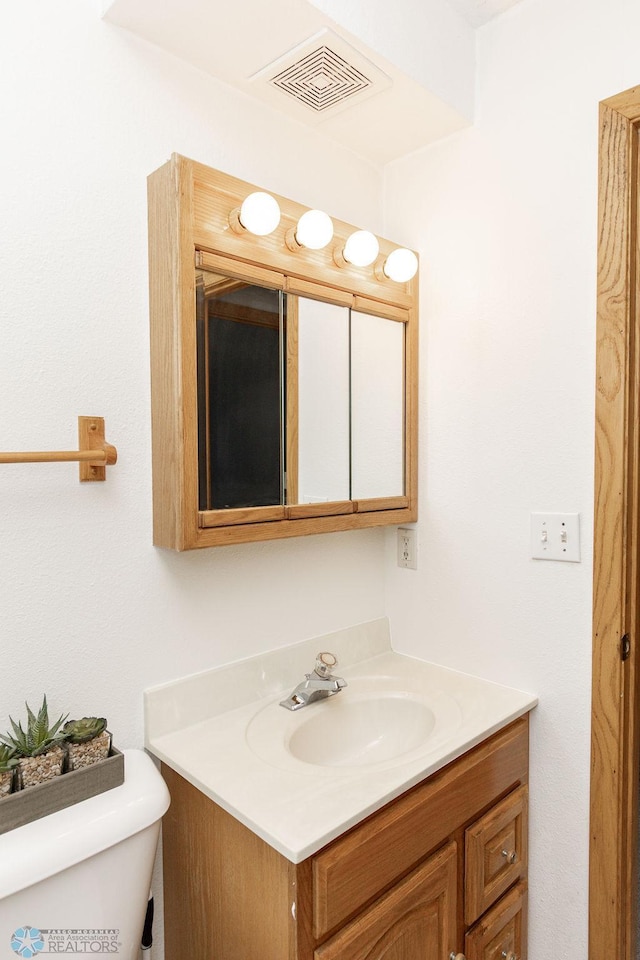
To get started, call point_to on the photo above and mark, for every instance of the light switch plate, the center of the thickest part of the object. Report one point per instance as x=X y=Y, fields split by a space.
x=555 y=536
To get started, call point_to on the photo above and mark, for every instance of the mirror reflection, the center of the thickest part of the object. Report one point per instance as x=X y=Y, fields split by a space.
x=239 y=393
x=300 y=401
x=323 y=402
x=377 y=398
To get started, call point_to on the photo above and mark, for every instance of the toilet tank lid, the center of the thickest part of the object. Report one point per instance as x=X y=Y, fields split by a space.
x=47 y=846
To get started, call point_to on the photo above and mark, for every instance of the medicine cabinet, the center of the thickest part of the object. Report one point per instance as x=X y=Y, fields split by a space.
x=284 y=379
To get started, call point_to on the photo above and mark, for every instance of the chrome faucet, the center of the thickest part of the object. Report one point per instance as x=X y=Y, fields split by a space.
x=318 y=685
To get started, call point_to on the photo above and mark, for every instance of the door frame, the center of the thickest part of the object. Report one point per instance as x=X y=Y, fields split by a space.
x=615 y=742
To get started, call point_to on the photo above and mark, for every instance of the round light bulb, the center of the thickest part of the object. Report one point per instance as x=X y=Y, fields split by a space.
x=361 y=248
x=401 y=265
x=314 y=230
x=260 y=213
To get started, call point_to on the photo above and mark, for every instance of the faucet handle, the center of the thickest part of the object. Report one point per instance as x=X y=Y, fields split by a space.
x=325 y=663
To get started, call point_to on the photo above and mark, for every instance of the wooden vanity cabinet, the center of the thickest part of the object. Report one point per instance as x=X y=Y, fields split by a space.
x=439 y=870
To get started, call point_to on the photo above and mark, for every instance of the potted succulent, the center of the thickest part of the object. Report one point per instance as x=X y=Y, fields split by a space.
x=8 y=764
x=38 y=748
x=88 y=741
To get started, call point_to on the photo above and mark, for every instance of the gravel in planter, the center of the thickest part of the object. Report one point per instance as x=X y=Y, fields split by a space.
x=84 y=754
x=46 y=766
x=6 y=783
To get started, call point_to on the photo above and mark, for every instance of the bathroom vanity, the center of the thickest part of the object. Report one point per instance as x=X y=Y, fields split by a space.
x=440 y=869
x=275 y=852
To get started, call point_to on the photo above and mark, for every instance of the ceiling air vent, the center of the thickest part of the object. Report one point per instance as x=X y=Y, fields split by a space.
x=321 y=79
x=324 y=74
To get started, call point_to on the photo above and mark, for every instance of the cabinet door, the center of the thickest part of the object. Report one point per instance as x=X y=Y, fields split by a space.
x=415 y=920
x=495 y=853
x=501 y=934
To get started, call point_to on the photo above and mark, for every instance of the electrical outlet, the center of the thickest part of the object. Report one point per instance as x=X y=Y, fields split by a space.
x=407 y=548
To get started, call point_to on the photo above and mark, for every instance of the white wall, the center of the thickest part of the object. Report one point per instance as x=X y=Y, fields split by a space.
x=91 y=612
x=505 y=218
x=504 y=215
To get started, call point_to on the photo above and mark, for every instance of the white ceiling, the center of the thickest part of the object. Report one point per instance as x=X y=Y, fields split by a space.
x=478 y=12
x=418 y=57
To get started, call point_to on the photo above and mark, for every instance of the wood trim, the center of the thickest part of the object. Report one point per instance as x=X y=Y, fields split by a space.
x=411 y=366
x=614 y=725
x=377 y=309
x=217 y=536
x=380 y=503
x=292 y=413
x=166 y=188
x=627 y=104
x=318 y=291
x=330 y=509
x=232 y=515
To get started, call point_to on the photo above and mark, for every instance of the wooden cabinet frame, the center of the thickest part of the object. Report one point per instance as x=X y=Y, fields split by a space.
x=615 y=724
x=189 y=207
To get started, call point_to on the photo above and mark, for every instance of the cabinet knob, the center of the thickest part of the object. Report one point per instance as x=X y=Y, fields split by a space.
x=456 y=956
x=508 y=955
x=511 y=856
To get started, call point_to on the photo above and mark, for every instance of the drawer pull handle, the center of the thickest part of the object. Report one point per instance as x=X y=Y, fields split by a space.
x=508 y=956
x=456 y=956
x=511 y=856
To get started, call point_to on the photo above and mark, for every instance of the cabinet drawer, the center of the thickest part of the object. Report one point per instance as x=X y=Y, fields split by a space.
x=357 y=868
x=502 y=932
x=419 y=911
x=495 y=853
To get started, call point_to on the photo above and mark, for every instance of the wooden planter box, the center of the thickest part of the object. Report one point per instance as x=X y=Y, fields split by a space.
x=63 y=791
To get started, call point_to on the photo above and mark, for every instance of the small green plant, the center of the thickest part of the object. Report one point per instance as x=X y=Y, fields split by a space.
x=39 y=736
x=8 y=759
x=79 y=731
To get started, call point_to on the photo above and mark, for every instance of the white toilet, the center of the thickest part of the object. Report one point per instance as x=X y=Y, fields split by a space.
x=77 y=882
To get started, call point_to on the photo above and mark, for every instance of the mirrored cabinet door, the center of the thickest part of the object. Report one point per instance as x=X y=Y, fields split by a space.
x=239 y=333
x=377 y=402
x=324 y=428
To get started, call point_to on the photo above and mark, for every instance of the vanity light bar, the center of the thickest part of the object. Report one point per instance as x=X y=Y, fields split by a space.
x=259 y=214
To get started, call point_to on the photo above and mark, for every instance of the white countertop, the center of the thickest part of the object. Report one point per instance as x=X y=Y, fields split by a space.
x=238 y=755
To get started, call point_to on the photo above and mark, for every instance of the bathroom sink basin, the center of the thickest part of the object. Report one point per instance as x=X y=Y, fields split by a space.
x=353 y=732
x=371 y=725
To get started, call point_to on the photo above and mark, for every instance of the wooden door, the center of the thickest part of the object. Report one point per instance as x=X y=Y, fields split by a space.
x=616 y=584
x=416 y=920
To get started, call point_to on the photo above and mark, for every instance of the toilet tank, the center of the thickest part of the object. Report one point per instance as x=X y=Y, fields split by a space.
x=77 y=881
